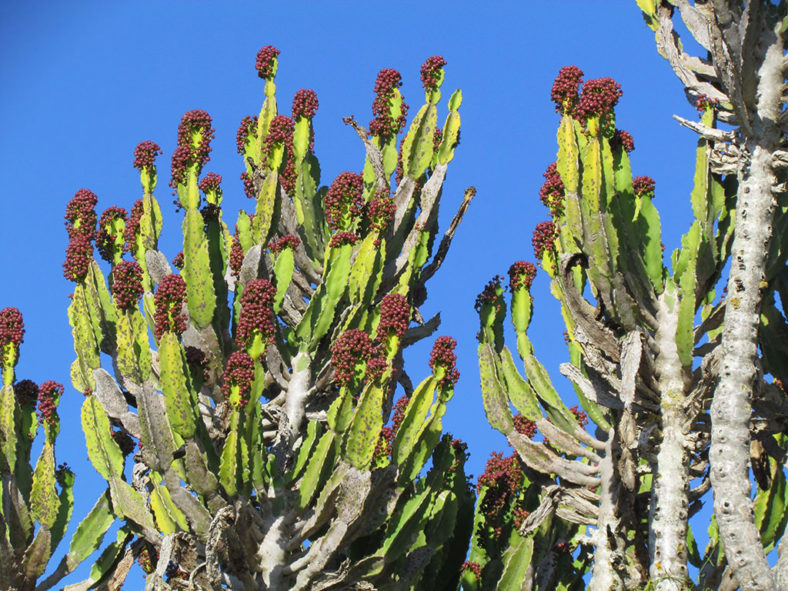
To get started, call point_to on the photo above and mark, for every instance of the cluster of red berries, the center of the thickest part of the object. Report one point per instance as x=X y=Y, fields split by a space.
x=12 y=328
x=343 y=201
x=380 y=211
x=552 y=191
x=195 y=359
x=257 y=316
x=582 y=418
x=280 y=132
x=286 y=241
x=81 y=227
x=239 y=372
x=126 y=284
x=704 y=102
x=169 y=299
x=236 y=256
x=48 y=397
x=384 y=125
x=565 y=89
x=248 y=185
x=472 y=567
x=430 y=72
x=210 y=183
x=544 y=238
x=524 y=426
x=597 y=99
x=394 y=315
x=108 y=232
x=195 y=124
x=520 y=515
x=643 y=186
x=145 y=155
x=26 y=392
x=353 y=348
x=622 y=139
x=248 y=125
x=147 y=559
x=178 y=261
x=442 y=355
x=521 y=274
x=123 y=440
x=342 y=238
x=61 y=472
x=266 y=58
x=304 y=104
x=502 y=478
x=437 y=136
x=387 y=434
x=133 y=224
x=491 y=295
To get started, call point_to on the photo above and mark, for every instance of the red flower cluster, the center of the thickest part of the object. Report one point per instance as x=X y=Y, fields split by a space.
x=248 y=185
x=286 y=241
x=442 y=355
x=429 y=72
x=524 y=426
x=582 y=418
x=544 y=238
x=343 y=201
x=78 y=256
x=81 y=214
x=643 y=186
x=394 y=315
x=257 y=316
x=239 y=371
x=195 y=359
x=472 y=567
x=380 y=211
x=565 y=87
x=490 y=295
x=280 y=133
x=126 y=283
x=48 y=396
x=105 y=241
x=598 y=98
x=304 y=104
x=169 y=299
x=26 y=392
x=552 y=191
x=248 y=125
x=520 y=515
x=622 y=139
x=383 y=125
x=342 y=238
x=265 y=61
x=352 y=348
x=387 y=434
x=236 y=256
x=133 y=224
x=521 y=274
x=12 y=328
x=503 y=478
x=194 y=125
x=178 y=261
x=704 y=102
x=145 y=155
x=210 y=182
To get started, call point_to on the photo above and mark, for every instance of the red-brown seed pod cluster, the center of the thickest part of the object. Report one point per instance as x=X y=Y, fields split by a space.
x=133 y=224
x=304 y=104
x=81 y=214
x=521 y=274
x=430 y=72
x=503 y=478
x=524 y=426
x=582 y=418
x=26 y=392
x=48 y=396
x=387 y=434
x=169 y=299
x=126 y=283
x=286 y=241
x=394 y=315
x=344 y=201
x=565 y=88
x=437 y=136
x=598 y=98
x=78 y=256
x=490 y=295
x=145 y=155
x=257 y=316
x=266 y=59
x=12 y=328
x=351 y=349
x=342 y=238
x=380 y=211
x=643 y=186
x=248 y=126
x=125 y=443
x=239 y=372
x=704 y=102
x=61 y=472
x=248 y=185
x=520 y=515
x=178 y=261
x=195 y=125
x=552 y=191
x=147 y=559
x=195 y=359
x=105 y=241
x=383 y=125
x=236 y=256
x=211 y=182
x=443 y=355
x=544 y=238
x=622 y=139
x=472 y=567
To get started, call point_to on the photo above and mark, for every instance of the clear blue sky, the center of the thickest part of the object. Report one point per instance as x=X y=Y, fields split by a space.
x=84 y=82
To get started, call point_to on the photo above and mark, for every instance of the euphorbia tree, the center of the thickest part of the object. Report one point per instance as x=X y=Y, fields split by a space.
x=240 y=420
